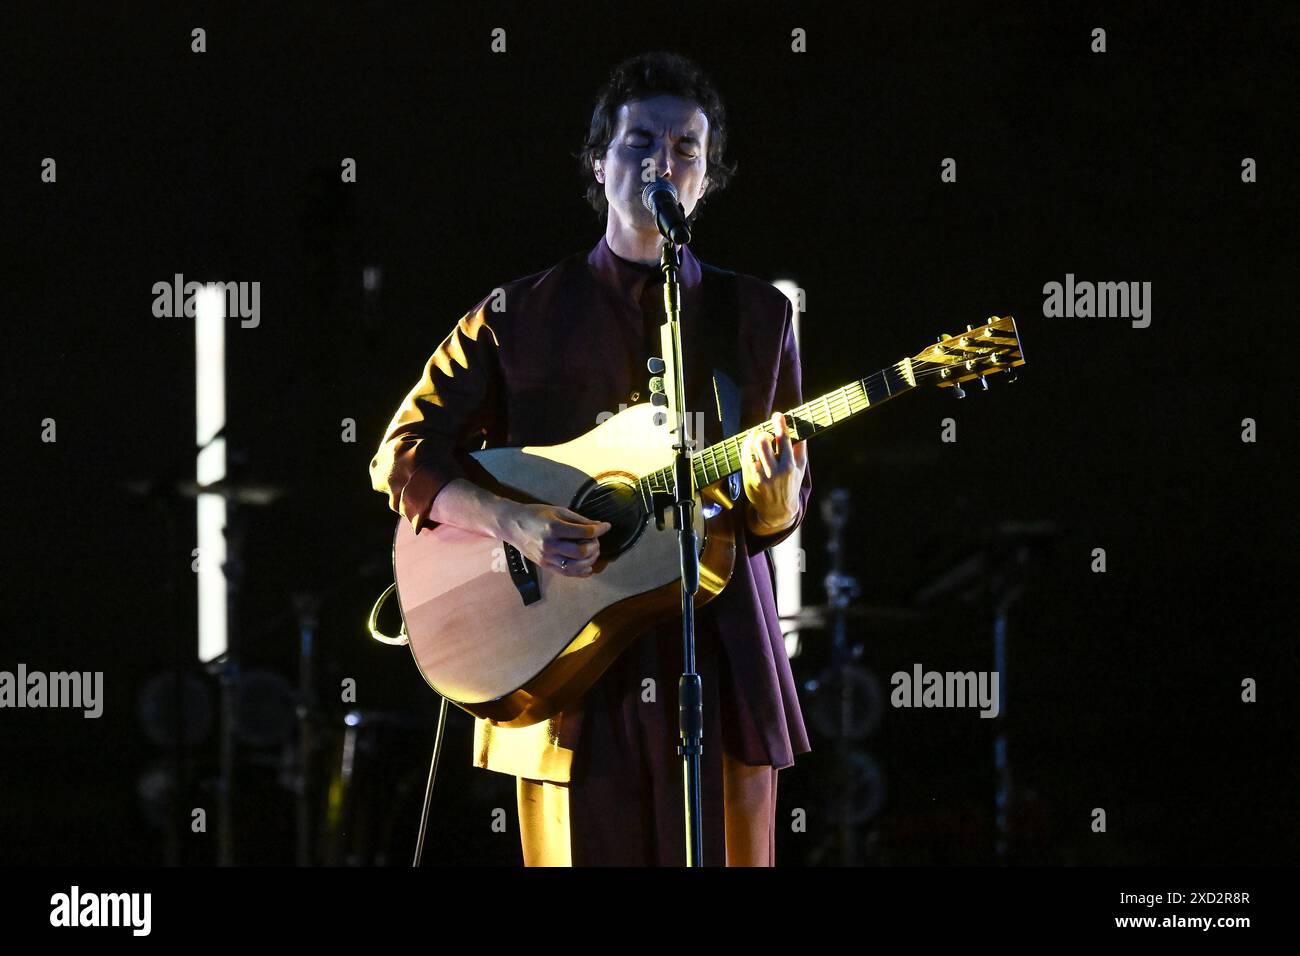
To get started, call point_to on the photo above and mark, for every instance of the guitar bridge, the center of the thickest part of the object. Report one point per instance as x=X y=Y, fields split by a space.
x=524 y=575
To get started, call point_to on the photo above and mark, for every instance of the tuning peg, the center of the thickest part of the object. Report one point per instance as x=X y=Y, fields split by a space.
x=958 y=390
x=655 y=365
x=657 y=384
x=658 y=398
x=660 y=418
x=984 y=383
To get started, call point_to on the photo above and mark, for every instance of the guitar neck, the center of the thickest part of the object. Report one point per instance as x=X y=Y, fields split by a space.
x=718 y=461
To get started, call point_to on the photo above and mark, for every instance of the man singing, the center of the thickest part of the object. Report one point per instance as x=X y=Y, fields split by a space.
x=536 y=363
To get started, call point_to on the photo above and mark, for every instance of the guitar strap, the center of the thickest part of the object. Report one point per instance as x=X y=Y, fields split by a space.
x=720 y=340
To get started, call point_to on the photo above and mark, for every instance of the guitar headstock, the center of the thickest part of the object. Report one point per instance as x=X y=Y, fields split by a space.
x=990 y=349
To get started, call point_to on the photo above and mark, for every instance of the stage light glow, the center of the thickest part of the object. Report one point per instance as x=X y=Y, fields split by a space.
x=788 y=556
x=210 y=418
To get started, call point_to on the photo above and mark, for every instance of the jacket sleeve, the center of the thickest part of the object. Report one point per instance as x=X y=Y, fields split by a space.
x=455 y=404
x=788 y=394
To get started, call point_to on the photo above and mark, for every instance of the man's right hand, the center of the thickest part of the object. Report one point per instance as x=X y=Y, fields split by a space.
x=549 y=534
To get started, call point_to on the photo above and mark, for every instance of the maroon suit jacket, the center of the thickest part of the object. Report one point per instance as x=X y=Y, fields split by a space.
x=535 y=363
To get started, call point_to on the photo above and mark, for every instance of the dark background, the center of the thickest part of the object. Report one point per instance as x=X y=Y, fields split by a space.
x=1124 y=687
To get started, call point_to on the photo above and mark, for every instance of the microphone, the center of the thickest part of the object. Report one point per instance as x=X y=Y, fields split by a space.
x=660 y=197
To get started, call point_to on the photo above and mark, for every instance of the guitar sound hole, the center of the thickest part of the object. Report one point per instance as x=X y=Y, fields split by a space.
x=613 y=498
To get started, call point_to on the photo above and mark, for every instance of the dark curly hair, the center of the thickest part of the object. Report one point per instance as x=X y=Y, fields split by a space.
x=644 y=76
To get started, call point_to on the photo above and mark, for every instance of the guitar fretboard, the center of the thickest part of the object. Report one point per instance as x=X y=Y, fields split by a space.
x=718 y=461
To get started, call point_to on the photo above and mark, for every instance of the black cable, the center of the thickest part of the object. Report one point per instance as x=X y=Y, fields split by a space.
x=428 y=790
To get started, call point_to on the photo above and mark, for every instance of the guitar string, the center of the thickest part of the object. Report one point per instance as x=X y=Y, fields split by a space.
x=840 y=399
x=595 y=508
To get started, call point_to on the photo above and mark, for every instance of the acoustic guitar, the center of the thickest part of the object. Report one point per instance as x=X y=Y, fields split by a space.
x=516 y=643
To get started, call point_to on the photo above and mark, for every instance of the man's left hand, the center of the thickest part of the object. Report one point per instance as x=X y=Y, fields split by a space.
x=773 y=468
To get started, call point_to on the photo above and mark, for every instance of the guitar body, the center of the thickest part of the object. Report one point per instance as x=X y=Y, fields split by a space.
x=475 y=639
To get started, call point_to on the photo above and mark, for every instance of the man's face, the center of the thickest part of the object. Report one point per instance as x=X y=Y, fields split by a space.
x=665 y=135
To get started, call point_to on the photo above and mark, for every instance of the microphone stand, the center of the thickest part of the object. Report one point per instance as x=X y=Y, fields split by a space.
x=690 y=692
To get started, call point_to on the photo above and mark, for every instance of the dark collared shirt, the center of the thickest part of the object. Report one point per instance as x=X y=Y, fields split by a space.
x=536 y=363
